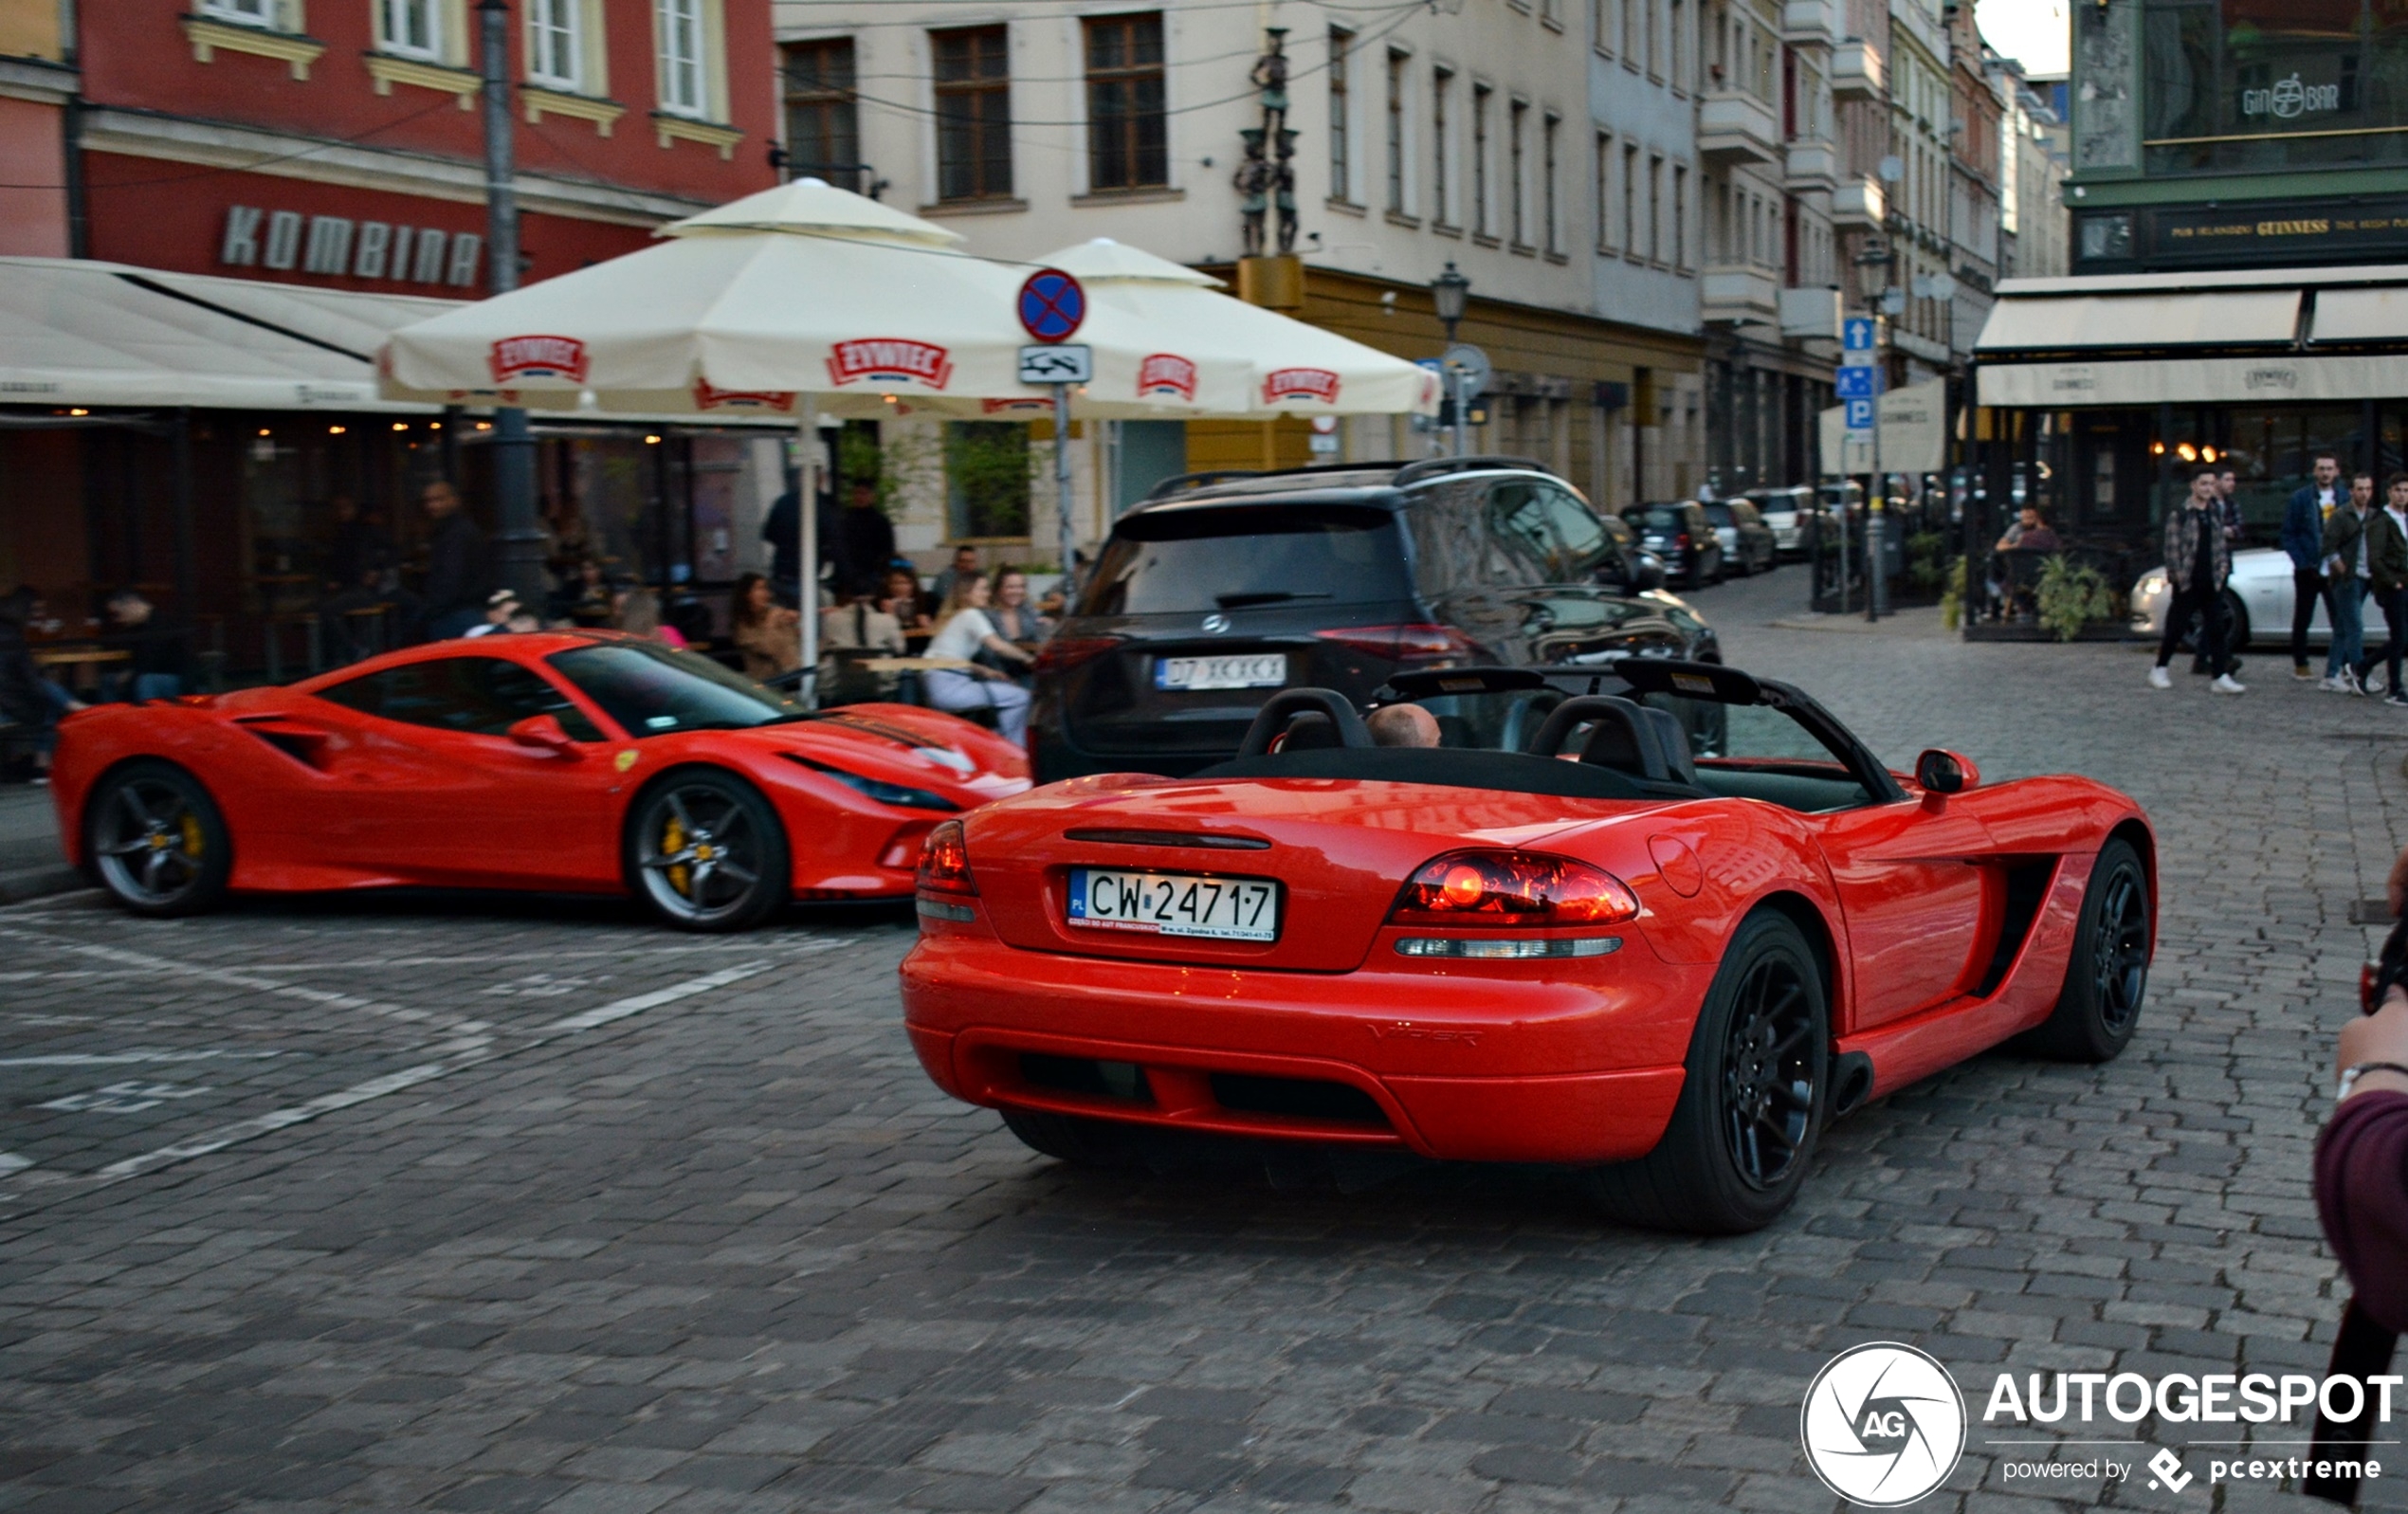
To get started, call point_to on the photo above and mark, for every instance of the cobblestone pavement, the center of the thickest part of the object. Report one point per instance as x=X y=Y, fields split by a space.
x=441 y=1204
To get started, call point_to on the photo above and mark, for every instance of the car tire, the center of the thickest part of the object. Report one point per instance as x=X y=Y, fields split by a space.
x=2107 y=974
x=1077 y=1140
x=1743 y=1134
x=157 y=841
x=690 y=834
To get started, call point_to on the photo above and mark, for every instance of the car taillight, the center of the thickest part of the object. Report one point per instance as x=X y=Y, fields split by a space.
x=1682 y=541
x=944 y=862
x=1512 y=889
x=1400 y=642
x=1064 y=653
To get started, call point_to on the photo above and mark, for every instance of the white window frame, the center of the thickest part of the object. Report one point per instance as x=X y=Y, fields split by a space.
x=556 y=26
x=677 y=72
x=392 y=17
x=263 y=14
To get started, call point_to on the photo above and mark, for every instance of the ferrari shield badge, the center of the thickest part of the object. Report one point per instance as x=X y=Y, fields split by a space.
x=627 y=759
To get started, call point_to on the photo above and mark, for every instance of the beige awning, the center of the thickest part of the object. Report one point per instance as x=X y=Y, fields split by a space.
x=2360 y=315
x=2273 y=379
x=2056 y=323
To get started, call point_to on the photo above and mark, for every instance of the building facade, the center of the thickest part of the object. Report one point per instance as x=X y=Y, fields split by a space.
x=1415 y=140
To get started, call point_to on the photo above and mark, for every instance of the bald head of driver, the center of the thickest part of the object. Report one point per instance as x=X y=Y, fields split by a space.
x=1403 y=725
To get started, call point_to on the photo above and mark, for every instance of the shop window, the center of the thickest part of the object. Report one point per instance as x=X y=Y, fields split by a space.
x=987 y=475
x=823 y=123
x=973 y=112
x=1126 y=140
x=2234 y=85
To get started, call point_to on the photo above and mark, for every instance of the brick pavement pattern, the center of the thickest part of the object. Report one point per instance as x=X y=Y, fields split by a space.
x=456 y=1205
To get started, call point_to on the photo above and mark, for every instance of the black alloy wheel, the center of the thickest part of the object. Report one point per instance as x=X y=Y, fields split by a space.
x=706 y=852
x=2107 y=977
x=1742 y=1132
x=158 y=841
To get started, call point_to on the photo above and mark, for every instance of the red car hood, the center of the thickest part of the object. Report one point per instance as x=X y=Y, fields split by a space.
x=1341 y=849
x=902 y=744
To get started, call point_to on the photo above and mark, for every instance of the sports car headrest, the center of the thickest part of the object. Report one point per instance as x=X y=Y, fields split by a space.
x=1672 y=742
x=1309 y=732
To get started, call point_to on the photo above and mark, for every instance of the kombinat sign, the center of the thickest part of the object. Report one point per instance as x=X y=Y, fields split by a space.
x=346 y=247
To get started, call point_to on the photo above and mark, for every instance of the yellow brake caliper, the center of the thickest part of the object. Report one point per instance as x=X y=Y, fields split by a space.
x=191 y=829
x=672 y=840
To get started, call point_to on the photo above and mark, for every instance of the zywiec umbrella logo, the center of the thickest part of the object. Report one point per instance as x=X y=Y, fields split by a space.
x=890 y=360
x=1884 y=1425
x=708 y=398
x=1299 y=383
x=537 y=357
x=1166 y=373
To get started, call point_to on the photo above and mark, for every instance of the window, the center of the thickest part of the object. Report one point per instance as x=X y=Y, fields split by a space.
x=1480 y=97
x=822 y=124
x=1551 y=129
x=1341 y=173
x=1396 y=132
x=685 y=81
x=1127 y=148
x=554 y=54
x=1679 y=51
x=987 y=478
x=1680 y=218
x=2249 y=86
x=1517 y=122
x=1655 y=209
x=650 y=689
x=1442 y=83
x=974 y=114
x=244 y=12
x=1605 y=25
x=482 y=696
x=410 y=28
x=1605 y=191
x=1631 y=248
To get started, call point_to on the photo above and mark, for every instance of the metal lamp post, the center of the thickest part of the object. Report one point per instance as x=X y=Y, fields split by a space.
x=1877 y=255
x=521 y=542
x=1450 y=294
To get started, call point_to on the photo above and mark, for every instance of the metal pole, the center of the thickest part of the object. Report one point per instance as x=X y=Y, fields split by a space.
x=807 y=527
x=1463 y=409
x=521 y=541
x=1062 y=483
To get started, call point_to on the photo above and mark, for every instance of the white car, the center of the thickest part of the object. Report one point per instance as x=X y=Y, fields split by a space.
x=1785 y=511
x=2258 y=597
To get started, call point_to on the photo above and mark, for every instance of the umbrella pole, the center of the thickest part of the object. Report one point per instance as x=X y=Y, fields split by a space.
x=1062 y=481
x=807 y=526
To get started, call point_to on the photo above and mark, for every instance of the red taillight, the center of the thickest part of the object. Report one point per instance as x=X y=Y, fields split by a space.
x=1064 y=653
x=1400 y=642
x=1682 y=541
x=944 y=862
x=1524 y=888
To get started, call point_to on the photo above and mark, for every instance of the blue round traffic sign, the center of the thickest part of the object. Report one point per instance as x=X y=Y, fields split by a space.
x=1051 y=306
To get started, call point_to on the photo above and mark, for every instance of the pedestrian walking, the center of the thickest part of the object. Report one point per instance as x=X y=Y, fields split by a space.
x=2345 y=565
x=2386 y=548
x=2304 y=519
x=2198 y=560
x=459 y=569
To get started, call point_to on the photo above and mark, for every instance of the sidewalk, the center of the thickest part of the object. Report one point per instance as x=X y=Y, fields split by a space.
x=32 y=863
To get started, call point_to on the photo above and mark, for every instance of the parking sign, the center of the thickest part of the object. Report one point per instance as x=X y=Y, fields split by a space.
x=1860 y=415
x=1859 y=383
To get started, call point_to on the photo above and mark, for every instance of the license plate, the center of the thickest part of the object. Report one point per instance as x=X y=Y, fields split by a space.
x=1249 y=670
x=1174 y=903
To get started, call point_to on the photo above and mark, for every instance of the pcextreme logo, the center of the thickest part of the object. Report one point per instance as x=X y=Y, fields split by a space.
x=1884 y=1425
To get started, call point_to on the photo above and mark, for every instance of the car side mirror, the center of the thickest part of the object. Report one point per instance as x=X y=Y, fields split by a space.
x=543 y=733
x=1940 y=770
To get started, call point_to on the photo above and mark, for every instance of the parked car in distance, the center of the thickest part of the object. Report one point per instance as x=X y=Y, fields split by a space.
x=1629 y=568
x=1678 y=532
x=1785 y=511
x=1222 y=589
x=1748 y=545
x=2257 y=596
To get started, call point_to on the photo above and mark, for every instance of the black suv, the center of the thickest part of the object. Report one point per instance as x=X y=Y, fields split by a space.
x=1221 y=589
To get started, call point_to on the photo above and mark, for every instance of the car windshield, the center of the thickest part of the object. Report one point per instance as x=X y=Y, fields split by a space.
x=1197 y=560
x=651 y=689
x=1661 y=518
x=1721 y=514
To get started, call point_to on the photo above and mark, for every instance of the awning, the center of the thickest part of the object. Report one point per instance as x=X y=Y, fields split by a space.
x=2276 y=379
x=2243 y=317
x=2360 y=315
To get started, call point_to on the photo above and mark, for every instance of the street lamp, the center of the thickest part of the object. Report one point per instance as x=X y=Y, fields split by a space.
x=1448 y=294
x=1877 y=254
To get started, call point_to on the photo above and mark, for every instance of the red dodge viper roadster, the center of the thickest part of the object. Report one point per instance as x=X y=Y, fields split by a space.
x=583 y=762
x=1660 y=924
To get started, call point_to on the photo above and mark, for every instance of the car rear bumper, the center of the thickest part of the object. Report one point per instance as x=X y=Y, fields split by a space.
x=1506 y=1068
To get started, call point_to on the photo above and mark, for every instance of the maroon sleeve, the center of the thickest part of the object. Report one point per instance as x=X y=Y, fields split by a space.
x=2361 y=1195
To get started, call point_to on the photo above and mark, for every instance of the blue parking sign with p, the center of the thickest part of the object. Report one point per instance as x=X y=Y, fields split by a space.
x=1860 y=415
x=1856 y=334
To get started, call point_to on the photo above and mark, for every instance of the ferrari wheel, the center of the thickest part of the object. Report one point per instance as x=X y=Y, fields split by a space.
x=158 y=841
x=2108 y=971
x=706 y=850
x=1743 y=1132
x=1079 y=1141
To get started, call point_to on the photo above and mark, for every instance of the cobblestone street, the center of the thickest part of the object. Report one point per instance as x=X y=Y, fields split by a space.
x=449 y=1204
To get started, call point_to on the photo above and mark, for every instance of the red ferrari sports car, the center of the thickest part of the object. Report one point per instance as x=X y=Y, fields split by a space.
x=586 y=761
x=1660 y=923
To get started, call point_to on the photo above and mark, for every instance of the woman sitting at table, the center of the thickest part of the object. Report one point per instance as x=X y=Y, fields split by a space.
x=768 y=634
x=968 y=631
x=1014 y=617
x=906 y=602
x=857 y=626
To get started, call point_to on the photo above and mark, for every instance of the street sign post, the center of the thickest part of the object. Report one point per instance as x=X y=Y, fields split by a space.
x=1468 y=373
x=1856 y=334
x=1860 y=414
x=1858 y=383
x=1051 y=306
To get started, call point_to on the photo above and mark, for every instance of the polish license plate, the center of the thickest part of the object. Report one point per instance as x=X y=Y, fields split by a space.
x=1247 y=671
x=1173 y=903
